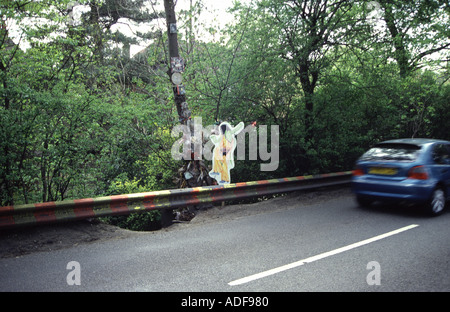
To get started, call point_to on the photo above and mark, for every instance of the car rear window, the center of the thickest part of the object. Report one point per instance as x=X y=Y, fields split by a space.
x=393 y=152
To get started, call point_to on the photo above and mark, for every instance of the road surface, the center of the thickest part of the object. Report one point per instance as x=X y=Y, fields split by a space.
x=324 y=245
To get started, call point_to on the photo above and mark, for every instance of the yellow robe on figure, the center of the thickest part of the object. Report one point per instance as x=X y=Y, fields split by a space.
x=223 y=153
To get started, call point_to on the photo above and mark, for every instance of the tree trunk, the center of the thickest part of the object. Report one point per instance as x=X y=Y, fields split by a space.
x=169 y=7
x=308 y=80
x=194 y=172
x=400 y=54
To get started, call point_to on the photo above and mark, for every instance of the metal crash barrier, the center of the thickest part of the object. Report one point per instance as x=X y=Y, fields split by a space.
x=51 y=212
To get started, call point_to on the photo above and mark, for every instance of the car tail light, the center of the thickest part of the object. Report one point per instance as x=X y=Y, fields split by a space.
x=358 y=172
x=418 y=173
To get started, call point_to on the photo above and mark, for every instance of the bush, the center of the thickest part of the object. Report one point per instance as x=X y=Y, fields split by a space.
x=143 y=221
x=139 y=221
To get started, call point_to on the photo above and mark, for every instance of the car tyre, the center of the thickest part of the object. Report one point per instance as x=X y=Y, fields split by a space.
x=436 y=204
x=363 y=201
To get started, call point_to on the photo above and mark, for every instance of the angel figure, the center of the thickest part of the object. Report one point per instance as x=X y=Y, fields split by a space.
x=223 y=152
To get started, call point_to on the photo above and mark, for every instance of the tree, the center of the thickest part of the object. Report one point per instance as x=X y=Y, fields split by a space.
x=308 y=30
x=416 y=30
x=194 y=172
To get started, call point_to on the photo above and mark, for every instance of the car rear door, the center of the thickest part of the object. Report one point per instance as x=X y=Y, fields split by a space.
x=441 y=158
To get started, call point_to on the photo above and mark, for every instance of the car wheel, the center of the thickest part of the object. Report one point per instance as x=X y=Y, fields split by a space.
x=437 y=202
x=363 y=201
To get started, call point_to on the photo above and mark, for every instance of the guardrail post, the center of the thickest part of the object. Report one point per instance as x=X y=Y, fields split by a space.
x=166 y=217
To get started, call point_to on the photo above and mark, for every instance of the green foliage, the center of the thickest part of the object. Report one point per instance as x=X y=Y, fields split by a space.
x=139 y=221
x=144 y=221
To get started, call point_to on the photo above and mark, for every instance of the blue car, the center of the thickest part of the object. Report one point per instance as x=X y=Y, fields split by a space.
x=405 y=170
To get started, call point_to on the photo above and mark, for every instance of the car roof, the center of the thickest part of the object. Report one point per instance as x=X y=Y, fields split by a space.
x=418 y=141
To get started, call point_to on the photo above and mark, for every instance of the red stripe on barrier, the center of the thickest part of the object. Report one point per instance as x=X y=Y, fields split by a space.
x=239 y=191
x=119 y=203
x=148 y=202
x=6 y=220
x=84 y=208
x=6 y=209
x=216 y=193
x=45 y=212
x=195 y=200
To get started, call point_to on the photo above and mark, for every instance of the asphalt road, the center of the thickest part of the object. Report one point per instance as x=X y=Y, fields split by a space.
x=329 y=245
